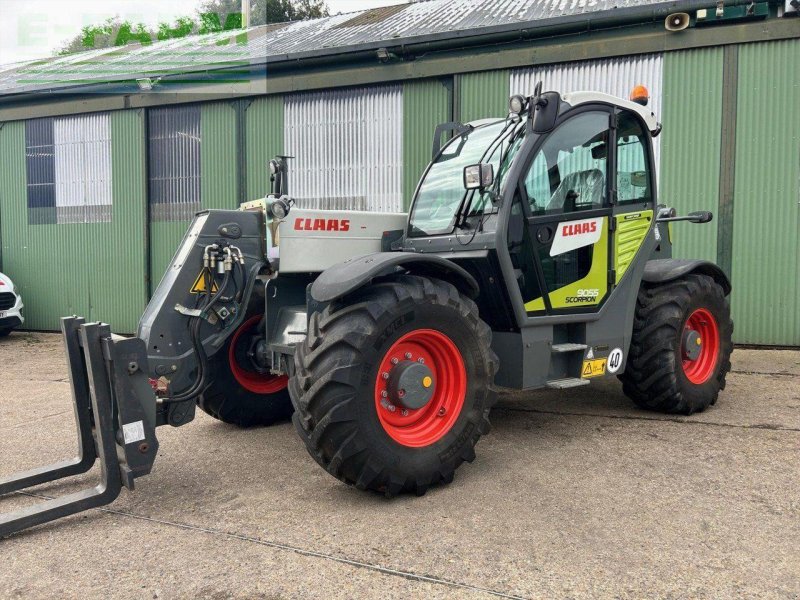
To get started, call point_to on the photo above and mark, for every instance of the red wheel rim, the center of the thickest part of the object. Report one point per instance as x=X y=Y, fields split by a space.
x=424 y=426
x=701 y=369
x=253 y=381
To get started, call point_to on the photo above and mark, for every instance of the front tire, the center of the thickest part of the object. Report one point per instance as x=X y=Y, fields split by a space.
x=356 y=420
x=681 y=346
x=239 y=395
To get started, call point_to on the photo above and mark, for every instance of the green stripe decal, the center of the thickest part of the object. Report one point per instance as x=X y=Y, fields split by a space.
x=631 y=231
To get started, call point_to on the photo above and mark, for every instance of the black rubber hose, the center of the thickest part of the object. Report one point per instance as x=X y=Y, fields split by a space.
x=199 y=382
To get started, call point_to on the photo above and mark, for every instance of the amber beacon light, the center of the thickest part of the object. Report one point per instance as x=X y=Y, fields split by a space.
x=640 y=95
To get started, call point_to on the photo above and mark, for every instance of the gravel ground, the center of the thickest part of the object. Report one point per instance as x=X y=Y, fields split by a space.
x=574 y=494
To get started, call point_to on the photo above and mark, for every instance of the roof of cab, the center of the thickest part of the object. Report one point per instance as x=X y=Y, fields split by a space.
x=576 y=98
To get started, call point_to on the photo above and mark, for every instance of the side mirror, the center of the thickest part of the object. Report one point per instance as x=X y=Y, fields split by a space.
x=667 y=215
x=701 y=216
x=478 y=177
x=545 y=112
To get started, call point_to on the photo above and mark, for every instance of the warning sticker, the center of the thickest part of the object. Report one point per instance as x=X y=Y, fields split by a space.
x=593 y=368
x=133 y=432
x=199 y=286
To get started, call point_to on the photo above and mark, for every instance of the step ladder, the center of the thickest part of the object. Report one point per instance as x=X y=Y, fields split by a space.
x=569 y=382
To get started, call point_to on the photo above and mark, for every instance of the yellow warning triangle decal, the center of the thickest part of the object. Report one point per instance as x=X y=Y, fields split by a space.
x=587 y=369
x=199 y=286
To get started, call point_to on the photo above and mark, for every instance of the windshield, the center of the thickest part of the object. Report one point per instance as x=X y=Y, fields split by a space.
x=442 y=191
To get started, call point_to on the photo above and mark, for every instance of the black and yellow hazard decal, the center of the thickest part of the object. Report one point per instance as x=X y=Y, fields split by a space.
x=199 y=286
x=631 y=231
x=593 y=368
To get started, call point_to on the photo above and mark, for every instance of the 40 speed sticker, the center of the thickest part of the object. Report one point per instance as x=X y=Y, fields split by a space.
x=615 y=360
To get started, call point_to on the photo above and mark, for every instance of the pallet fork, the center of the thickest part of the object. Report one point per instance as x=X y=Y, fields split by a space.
x=115 y=414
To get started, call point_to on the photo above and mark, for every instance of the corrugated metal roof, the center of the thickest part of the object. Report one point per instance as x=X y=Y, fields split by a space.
x=273 y=43
x=432 y=17
x=241 y=49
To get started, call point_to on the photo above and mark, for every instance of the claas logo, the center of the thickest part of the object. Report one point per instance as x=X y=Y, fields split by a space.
x=301 y=224
x=579 y=228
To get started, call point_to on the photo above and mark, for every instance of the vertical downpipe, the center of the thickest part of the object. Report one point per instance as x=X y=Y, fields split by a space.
x=727 y=163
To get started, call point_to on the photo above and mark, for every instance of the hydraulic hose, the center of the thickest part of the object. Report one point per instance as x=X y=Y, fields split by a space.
x=195 y=323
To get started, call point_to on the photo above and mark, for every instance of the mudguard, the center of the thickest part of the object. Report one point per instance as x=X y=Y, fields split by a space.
x=669 y=269
x=353 y=274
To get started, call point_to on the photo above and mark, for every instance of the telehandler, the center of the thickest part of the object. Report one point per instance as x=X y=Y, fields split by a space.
x=535 y=254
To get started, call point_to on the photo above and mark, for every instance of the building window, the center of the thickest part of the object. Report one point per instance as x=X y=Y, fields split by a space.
x=68 y=163
x=348 y=148
x=174 y=150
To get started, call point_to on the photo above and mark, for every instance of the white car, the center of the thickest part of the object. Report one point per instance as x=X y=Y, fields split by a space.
x=10 y=306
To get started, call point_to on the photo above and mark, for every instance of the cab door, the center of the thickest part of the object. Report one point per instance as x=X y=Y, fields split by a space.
x=564 y=193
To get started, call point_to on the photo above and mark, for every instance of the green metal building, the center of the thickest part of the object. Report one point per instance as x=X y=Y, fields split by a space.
x=104 y=156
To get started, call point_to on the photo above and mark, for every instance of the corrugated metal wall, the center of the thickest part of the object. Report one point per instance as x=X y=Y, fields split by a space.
x=426 y=104
x=174 y=162
x=82 y=148
x=264 y=133
x=118 y=290
x=766 y=226
x=92 y=269
x=690 y=145
x=218 y=152
x=348 y=145
x=483 y=95
x=616 y=76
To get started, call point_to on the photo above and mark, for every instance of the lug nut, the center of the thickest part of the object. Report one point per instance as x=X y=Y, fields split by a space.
x=408 y=355
x=395 y=361
x=421 y=361
x=384 y=394
x=392 y=408
x=404 y=412
x=442 y=411
x=385 y=376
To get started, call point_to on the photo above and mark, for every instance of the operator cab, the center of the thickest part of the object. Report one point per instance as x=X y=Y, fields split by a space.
x=555 y=200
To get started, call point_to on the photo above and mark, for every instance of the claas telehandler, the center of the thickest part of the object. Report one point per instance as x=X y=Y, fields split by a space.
x=535 y=255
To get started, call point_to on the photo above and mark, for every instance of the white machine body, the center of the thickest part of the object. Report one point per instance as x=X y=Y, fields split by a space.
x=311 y=241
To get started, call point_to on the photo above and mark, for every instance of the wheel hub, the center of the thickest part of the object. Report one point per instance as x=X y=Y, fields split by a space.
x=420 y=388
x=701 y=346
x=242 y=367
x=692 y=344
x=410 y=384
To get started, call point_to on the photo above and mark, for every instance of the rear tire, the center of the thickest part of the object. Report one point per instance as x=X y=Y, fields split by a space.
x=659 y=376
x=347 y=424
x=4 y=332
x=246 y=400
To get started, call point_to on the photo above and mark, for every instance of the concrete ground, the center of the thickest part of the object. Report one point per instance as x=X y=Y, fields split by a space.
x=575 y=494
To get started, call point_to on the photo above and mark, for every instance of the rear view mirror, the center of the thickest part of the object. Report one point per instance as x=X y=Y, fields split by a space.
x=600 y=152
x=701 y=216
x=545 y=112
x=478 y=177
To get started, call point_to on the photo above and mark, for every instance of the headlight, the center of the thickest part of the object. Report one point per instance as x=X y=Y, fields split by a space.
x=516 y=104
x=280 y=207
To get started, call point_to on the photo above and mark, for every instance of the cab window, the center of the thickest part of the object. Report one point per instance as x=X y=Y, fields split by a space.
x=633 y=172
x=569 y=172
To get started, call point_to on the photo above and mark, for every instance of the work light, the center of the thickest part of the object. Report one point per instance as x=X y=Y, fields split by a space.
x=516 y=104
